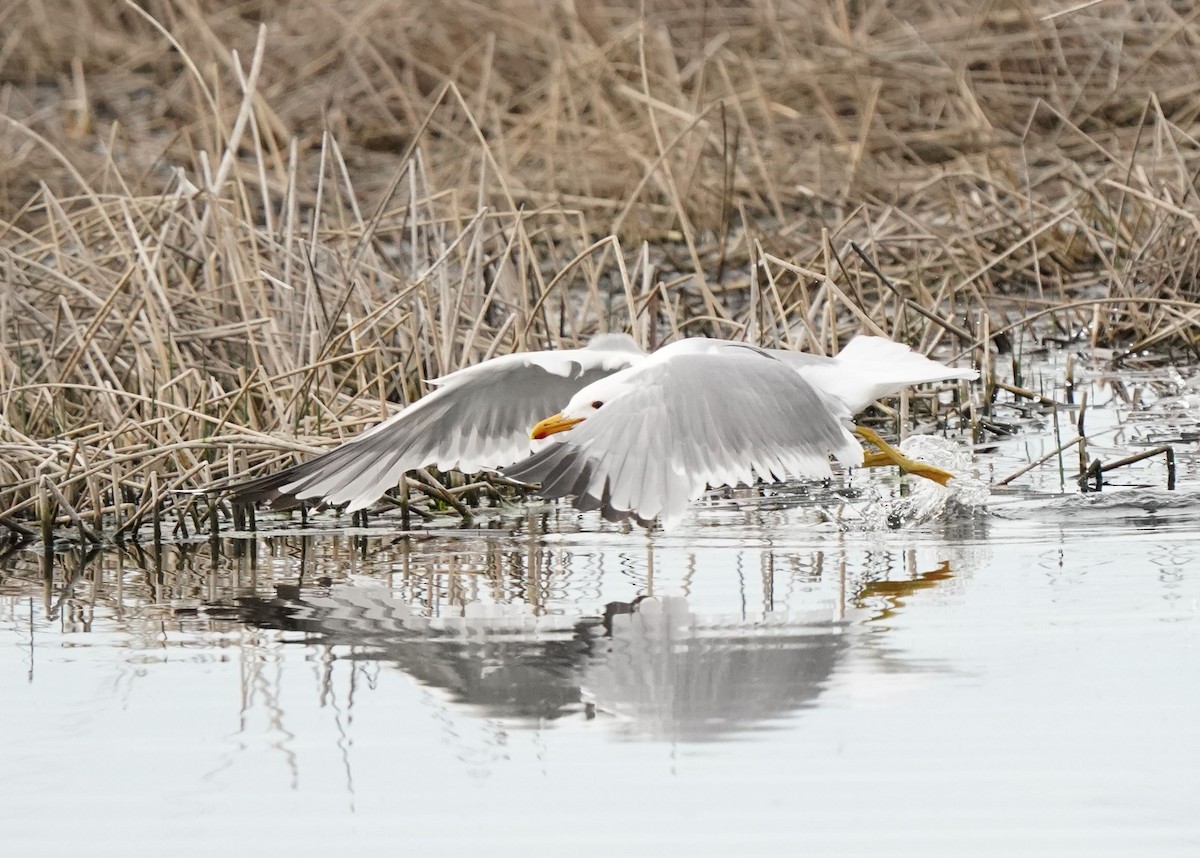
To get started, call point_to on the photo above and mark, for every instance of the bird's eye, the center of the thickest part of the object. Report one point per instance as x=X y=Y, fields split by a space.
x=597 y=404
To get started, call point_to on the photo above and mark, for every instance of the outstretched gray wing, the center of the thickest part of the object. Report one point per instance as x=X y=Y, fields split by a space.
x=478 y=417
x=694 y=420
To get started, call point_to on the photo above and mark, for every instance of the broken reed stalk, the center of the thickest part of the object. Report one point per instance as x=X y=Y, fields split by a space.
x=46 y=510
x=20 y=530
x=214 y=528
x=1097 y=469
x=1079 y=420
x=84 y=530
x=1026 y=393
x=156 y=512
x=1022 y=471
x=425 y=481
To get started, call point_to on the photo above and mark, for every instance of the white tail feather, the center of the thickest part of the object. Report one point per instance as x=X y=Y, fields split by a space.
x=869 y=368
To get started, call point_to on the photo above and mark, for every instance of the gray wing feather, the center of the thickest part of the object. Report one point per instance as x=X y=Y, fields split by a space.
x=693 y=421
x=479 y=417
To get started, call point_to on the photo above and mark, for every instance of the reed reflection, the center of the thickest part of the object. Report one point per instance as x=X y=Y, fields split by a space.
x=515 y=628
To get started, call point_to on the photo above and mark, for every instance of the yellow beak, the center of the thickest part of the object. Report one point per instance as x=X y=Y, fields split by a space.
x=551 y=425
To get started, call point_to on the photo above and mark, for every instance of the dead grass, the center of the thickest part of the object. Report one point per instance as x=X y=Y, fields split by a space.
x=231 y=234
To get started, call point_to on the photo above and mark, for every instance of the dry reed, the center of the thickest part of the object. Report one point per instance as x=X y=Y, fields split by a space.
x=233 y=234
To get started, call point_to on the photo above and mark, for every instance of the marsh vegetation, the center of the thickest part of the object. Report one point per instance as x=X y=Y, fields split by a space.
x=231 y=235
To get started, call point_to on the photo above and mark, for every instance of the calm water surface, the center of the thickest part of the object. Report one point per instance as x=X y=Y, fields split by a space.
x=786 y=675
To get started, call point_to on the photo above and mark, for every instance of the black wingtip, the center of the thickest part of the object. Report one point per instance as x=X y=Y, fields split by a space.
x=267 y=489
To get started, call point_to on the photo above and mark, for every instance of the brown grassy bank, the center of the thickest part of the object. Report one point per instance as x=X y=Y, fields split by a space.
x=228 y=231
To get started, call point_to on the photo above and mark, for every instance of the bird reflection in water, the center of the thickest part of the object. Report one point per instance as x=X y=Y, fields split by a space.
x=654 y=668
x=667 y=673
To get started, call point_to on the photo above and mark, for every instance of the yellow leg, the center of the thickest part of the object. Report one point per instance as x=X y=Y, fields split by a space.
x=889 y=455
x=876 y=460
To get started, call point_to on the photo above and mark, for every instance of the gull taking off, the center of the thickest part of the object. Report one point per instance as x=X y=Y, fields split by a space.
x=646 y=441
x=648 y=433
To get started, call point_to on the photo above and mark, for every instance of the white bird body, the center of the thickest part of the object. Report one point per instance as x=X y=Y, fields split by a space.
x=650 y=439
x=695 y=413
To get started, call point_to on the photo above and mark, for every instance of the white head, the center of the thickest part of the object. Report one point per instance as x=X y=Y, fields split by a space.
x=583 y=405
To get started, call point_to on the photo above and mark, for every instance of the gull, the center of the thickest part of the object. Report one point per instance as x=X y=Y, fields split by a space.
x=695 y=413
x=646 y=441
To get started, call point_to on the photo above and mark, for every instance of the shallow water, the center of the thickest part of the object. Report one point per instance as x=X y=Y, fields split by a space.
x=790 y=673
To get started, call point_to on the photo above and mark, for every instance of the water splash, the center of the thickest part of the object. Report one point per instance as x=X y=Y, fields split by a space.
x=925 y=501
